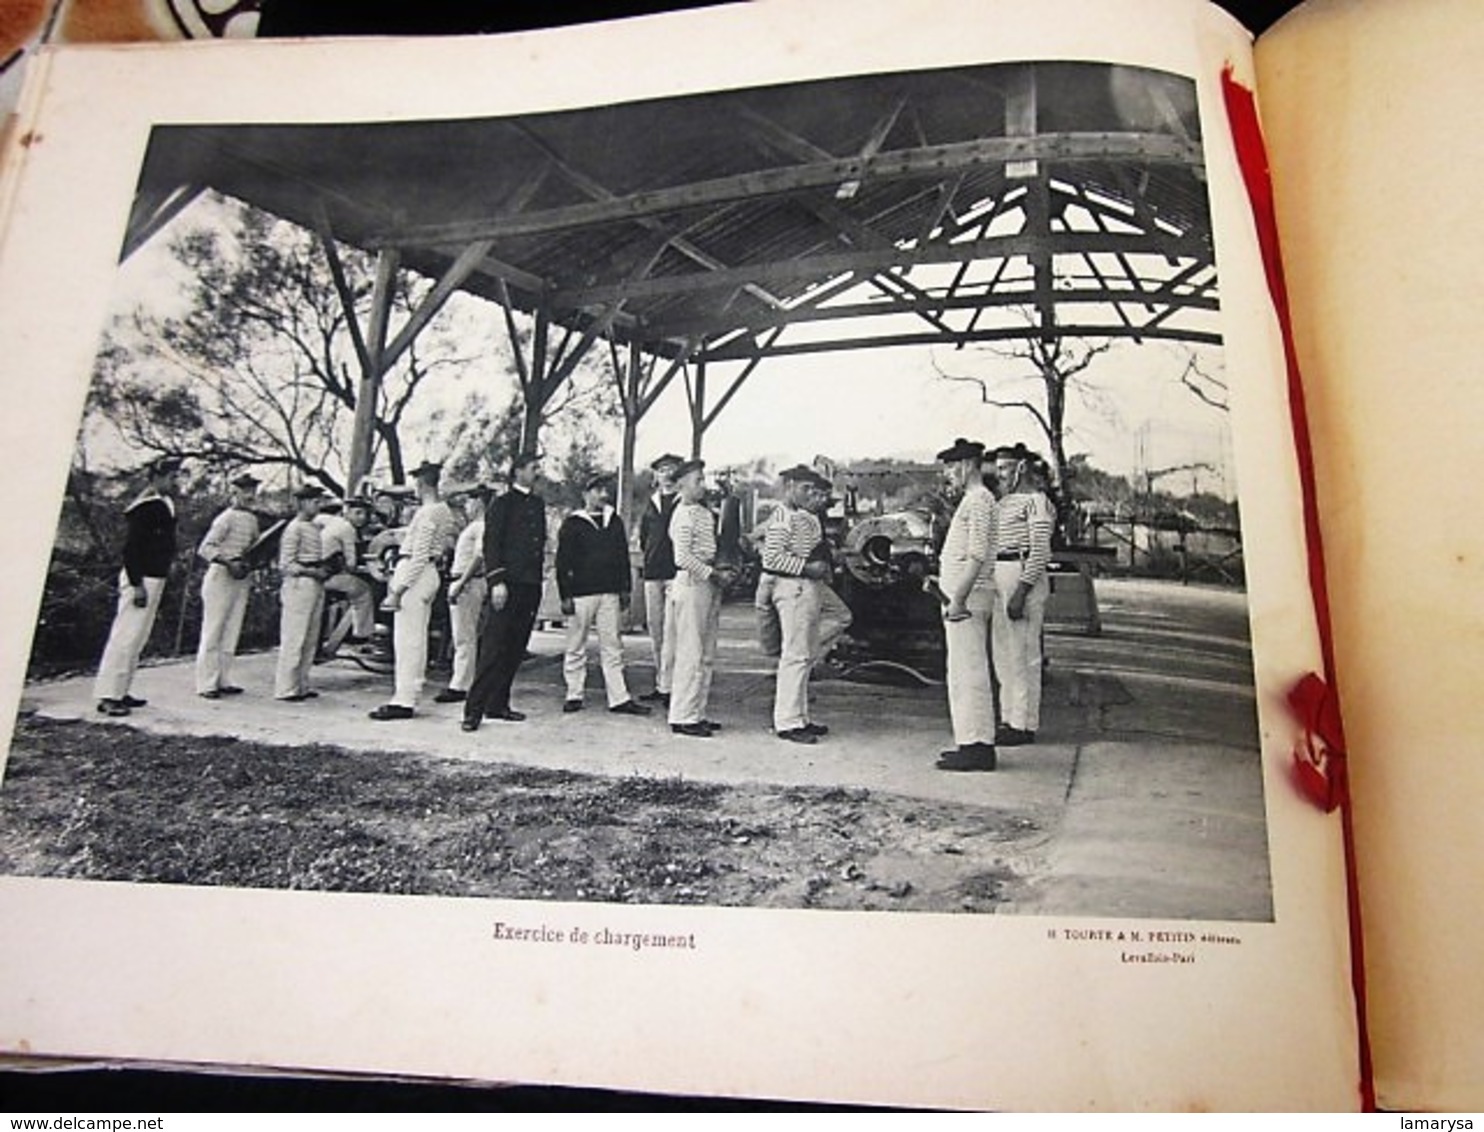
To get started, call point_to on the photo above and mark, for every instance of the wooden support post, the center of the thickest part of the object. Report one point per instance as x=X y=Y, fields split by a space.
x=1022 y=120
x=536 y=392
x=387 y=262
x=698 y=411
x=629 y=391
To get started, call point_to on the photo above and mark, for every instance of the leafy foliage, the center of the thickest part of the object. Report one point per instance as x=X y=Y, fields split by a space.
x=260 y=367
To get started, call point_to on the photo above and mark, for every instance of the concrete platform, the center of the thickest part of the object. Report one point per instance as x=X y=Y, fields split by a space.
x=1146 y=772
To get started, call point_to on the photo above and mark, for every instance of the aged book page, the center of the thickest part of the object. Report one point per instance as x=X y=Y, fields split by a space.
x=947 y=1009
x=1368 y=109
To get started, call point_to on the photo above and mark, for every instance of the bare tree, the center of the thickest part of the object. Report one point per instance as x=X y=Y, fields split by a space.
x=258 y=368
x=1200 y=379
x=1057 y=364
x=481 y=434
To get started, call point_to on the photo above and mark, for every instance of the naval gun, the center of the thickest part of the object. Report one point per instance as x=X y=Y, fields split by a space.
x=885 y=562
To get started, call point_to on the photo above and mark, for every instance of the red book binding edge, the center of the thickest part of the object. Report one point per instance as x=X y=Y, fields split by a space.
x=1319 y=760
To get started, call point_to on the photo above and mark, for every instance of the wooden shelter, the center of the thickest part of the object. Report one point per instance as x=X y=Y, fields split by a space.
x=700 y=236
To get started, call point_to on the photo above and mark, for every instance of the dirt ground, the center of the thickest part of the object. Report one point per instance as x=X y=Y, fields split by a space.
x=113 y=803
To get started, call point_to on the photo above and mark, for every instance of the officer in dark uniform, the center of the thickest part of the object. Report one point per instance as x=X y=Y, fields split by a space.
x=514 y=563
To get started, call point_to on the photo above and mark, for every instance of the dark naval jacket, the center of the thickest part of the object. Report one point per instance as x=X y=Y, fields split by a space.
x=654 y=539
x=592 y=555
x=149 y=544
x=515 y=538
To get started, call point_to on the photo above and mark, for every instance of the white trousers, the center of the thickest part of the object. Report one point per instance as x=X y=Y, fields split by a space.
x=970 y=697
x=798 y=602
x=656 y=613
x=223 y=604
x=466 y=618
x=769 y=632
x=126 y=638
x=693 y=614
x=301 y=601
x=605 y=612
x=357 y=593
x=410 y=637
x=1017 y=648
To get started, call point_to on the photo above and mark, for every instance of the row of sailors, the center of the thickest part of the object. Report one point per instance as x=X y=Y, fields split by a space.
x=993 y=567
x=992 y=577
x=495 y=581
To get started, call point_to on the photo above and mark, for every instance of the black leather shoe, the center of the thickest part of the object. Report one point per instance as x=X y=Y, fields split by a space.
x=656 y=697
x=694 y=730
x=132 y=701
x=798 y=735
x=230 y=690
x=709 y=726
x=509 y=715
x=971 y=756
x=1014 y=737
x=113 y=707
x=300 y=698
x=569 y=706
x=449 y=696
x=629 y=707
x=391 y=711
x=817 y=729
x=468 y=725
x=211 y=694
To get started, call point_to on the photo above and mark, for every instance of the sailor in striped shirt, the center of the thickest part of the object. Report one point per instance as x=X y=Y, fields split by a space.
x=1021 y=589
x=224 y=590
x=301 y=596
x=797 y=577
x=966 y=568
x=413 y=588
x=695 y=603
x=467 y=591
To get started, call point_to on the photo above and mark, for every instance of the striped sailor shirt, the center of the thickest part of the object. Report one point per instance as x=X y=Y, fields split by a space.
x=300 y=549
x=693 y=533
x=1026 y=522
x=468 y=551
x=790 y=539
x=972 y=534
x=429 y=535
x=338 y=536
x=229 y=535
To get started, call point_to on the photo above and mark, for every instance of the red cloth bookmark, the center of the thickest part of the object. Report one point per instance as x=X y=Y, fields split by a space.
x=1319 y=760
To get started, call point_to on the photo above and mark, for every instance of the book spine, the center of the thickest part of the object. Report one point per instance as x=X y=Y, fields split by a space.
x=19 y=133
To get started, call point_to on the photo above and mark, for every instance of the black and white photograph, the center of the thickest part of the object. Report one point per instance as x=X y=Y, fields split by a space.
x=817 y=496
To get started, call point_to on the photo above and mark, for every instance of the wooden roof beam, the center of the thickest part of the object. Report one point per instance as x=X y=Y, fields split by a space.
x=877 y=259
x=433 y=302
x=603 y=195
x=155 y=209
x=934 y=305
x=934 y=161
x=879 y=133
x=347 y=298
x=809 y=304
x=732 y=389
x=994 y=334
x=677 y=363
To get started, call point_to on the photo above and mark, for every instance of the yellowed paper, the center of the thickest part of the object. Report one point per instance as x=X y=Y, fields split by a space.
x=1025 y=1012
x=1369 y=110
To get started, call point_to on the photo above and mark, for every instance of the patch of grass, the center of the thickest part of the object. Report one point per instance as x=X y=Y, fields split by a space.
x=100 y=802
